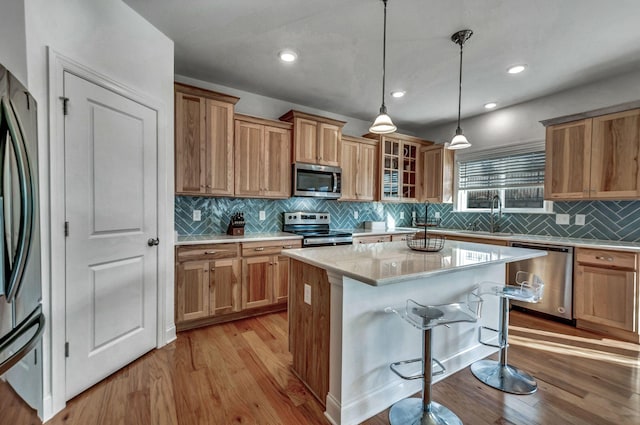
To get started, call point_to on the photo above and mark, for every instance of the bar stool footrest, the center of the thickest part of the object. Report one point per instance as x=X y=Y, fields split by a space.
x=488 y=344
x=395 y=368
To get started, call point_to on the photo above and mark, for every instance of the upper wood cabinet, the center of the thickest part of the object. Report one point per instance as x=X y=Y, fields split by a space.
x=400 y=170
x=262 y=158
x=359 y=169
x=594 y=158
x=316 y=139
x=203 y=141
x=436 y=181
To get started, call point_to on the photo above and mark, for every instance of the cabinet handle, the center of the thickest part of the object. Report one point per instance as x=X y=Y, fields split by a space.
x=287 y=247
x=210 y=252
x=271 y=264
x=598 y=257
x=213 y=269
x=259 y=249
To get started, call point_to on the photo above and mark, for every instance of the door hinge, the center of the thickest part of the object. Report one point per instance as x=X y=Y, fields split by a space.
x=65 y=105
x=66 y=228
x=66 y=349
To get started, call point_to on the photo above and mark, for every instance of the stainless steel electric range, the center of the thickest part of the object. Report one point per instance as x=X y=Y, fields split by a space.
x=315 y=229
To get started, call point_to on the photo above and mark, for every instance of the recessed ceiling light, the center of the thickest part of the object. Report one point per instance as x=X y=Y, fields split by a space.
x=490 y=105
x=516 y=69
x=398 y=93
x=288 y=56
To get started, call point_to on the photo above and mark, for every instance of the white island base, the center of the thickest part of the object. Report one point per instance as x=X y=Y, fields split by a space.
x=364 y=339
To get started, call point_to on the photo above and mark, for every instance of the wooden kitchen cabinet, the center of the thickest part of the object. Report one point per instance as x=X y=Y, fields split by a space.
x=359 y=169
x=203 y=141
x=262 y=152
x=192 y=290
x=400 y=170
x=221 y=282
x=436 y=181
x=606 y=292
x=265 y=273
x=594 y=158
x=316 y=139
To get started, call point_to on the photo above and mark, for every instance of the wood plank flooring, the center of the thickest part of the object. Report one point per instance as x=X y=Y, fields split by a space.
x=238 y=373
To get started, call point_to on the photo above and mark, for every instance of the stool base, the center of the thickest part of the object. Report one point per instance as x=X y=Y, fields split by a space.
x=505 y=378
x=410 y=411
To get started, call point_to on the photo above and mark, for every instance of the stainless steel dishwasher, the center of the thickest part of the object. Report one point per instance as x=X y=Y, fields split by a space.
x=556 y=271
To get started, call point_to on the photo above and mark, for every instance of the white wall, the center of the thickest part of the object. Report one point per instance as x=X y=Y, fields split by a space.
x=111 y=39
x=271 y=108
x=520 y=123
x=13 y=49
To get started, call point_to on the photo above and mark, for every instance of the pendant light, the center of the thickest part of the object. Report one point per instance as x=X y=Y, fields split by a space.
x=459 y=141
x=383 y=123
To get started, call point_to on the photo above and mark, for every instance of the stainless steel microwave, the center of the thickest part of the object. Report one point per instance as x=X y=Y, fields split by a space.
x=320 y=181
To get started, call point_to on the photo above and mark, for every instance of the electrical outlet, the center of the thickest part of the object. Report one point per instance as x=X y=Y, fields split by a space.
x=562 y=218
x=356 y=215
x=413 y=214
x=401 y=215
x=197 y=215
x=307 y=293
x=262 y=215
x=437 y=214
x=579 y=220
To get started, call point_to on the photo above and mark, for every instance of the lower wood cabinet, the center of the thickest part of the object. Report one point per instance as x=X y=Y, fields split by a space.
x=606 y=292
x=222 y=282
x=501 y=242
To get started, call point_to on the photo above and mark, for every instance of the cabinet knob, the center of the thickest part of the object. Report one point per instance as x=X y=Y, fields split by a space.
x=287 y=247
x=259 y=249
x=271 y=264
x=213 y=269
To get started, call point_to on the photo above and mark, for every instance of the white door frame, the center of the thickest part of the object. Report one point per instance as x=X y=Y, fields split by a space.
x=54 y=298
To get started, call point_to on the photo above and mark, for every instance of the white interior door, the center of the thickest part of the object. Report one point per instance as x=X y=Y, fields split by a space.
x=111 y=210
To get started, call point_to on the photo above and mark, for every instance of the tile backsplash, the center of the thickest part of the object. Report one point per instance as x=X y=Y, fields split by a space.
x=611 y=220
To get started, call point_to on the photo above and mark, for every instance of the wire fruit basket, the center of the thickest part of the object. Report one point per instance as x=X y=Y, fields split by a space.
x=421 y=241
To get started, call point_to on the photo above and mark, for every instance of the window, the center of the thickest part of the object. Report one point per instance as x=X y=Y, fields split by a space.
x=515 y=174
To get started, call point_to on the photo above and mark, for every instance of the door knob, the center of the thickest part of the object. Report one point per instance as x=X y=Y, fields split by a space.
x=152 y=242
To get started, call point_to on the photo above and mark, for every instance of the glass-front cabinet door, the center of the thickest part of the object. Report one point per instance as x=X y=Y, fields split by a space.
x=391 y=160
x=399 y=170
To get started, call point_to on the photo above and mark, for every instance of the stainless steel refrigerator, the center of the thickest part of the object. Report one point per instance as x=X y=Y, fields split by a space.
x=21 y=318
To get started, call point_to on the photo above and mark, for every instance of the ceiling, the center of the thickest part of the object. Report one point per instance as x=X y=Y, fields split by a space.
x=339 y=45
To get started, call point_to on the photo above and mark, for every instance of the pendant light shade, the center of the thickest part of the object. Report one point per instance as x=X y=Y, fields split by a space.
x=459 y=141
x=383 y=123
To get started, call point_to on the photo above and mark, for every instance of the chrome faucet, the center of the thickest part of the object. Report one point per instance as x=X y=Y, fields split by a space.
x=495 y=226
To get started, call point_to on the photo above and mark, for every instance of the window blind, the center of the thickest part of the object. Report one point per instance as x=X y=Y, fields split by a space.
x=507 y=172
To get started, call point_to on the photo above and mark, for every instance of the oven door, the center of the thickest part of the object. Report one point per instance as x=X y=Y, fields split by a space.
x=316 y=181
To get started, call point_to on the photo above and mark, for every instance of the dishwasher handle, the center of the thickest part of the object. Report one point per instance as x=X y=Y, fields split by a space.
x=565 y=249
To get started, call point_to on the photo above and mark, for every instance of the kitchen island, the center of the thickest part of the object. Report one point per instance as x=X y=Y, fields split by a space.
x=343 y=341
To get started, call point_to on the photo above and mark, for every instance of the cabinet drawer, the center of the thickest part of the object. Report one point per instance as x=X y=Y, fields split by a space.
x=207 y=252
x=251 y=249
x=606 y=258
x=404 y=237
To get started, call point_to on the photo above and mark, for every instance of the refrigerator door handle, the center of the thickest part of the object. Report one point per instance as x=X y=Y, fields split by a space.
x=12 y=124
x=35 y=318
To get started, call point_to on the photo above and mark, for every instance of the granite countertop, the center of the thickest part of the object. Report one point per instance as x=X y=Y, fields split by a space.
x=511 y=237
x=219 y=238
x=392 y=262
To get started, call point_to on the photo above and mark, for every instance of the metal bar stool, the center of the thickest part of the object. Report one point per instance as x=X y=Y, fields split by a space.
x=423 y=411
x=498 y=374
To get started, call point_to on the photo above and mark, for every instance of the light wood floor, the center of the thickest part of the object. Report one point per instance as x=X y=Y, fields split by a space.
x=238 y=373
